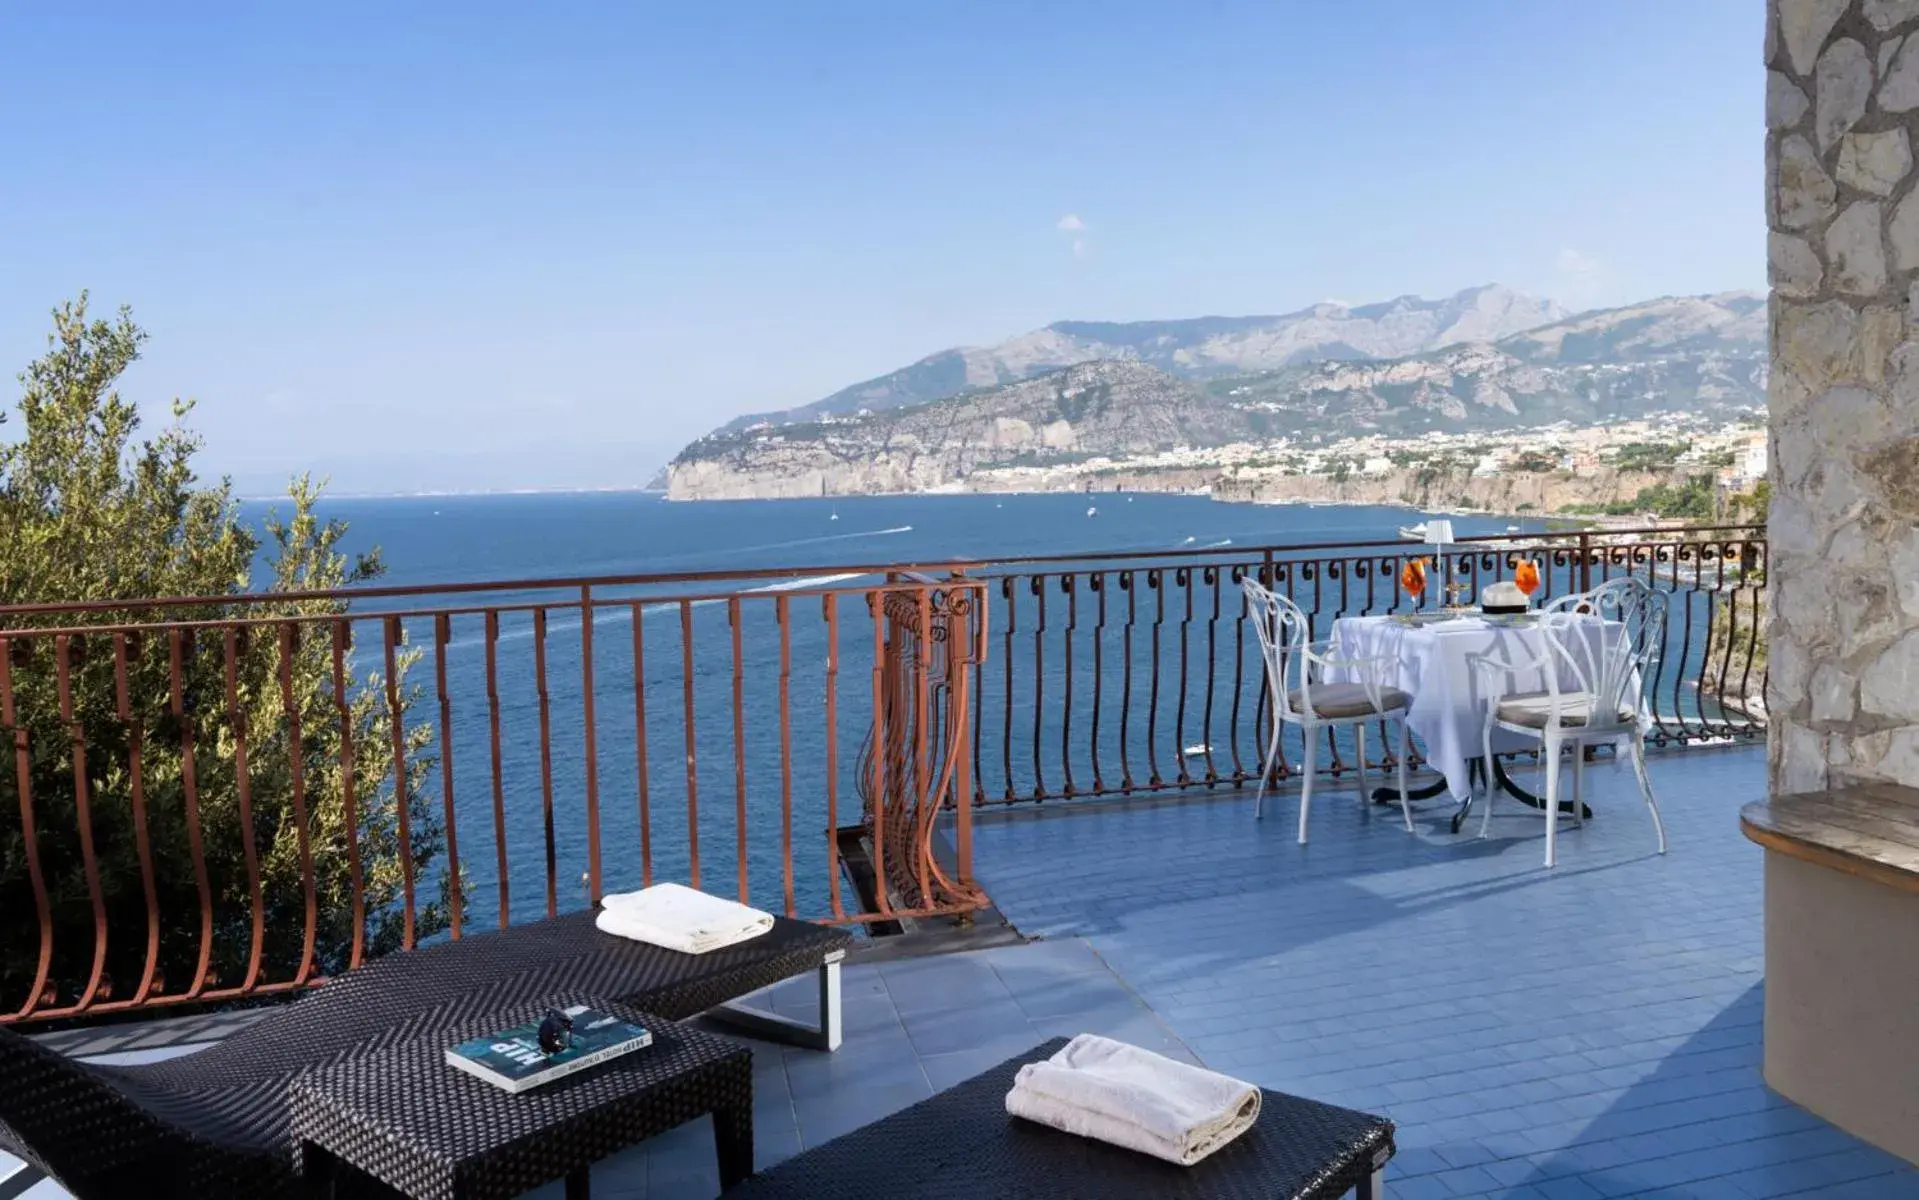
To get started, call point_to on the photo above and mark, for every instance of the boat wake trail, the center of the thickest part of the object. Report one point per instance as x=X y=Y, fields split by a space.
x=655 y=608
x=814 y=541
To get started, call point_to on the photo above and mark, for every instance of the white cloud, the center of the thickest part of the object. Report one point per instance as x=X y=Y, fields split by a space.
x=1578 y=264
x=1070 y=223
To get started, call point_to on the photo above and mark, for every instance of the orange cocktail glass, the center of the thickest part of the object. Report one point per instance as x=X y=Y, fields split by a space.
x=1526 y=577
x=1412 y=577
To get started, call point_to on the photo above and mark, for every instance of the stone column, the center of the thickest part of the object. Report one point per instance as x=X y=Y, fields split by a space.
x=1842 y=117
x=1842 y=946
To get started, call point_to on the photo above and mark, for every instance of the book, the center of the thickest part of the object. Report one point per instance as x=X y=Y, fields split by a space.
x=512 y=1059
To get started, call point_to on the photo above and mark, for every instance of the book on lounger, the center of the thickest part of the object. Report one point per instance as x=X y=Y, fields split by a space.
x=512 y=1059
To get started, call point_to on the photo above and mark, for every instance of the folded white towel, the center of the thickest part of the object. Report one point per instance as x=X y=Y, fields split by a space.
x=679 y=918
x=1099 y=1088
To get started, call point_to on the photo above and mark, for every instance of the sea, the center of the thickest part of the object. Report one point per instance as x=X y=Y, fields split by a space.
x=762 y=749
x=454 y=539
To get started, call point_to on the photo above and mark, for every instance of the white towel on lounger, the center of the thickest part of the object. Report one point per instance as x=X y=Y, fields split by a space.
x=679 y=918
x=1099 y=1088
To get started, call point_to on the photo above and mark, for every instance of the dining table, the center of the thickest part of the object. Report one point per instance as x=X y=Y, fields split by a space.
x=1430 y=656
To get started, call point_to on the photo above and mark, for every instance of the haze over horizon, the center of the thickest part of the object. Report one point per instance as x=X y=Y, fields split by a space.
x=532 y=249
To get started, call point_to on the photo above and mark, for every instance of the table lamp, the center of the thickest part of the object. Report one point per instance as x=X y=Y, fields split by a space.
x=1439 y=535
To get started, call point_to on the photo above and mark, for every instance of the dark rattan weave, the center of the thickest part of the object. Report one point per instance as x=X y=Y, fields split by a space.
x=963 y=1143
x=213 y=1124
x=404 y=1117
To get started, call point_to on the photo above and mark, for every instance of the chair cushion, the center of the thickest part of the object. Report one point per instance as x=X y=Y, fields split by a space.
x=1534 y=710
x=1337 y=700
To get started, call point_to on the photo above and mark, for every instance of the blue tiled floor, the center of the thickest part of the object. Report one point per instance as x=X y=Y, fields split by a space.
x=1593 y=1031
x=1589 y=1031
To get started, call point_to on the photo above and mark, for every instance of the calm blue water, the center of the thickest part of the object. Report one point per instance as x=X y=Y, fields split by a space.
x=1030 y=735
x=432 y=540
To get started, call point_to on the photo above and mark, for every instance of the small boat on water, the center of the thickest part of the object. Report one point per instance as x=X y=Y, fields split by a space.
x=1415 y=533
x=1092 y=512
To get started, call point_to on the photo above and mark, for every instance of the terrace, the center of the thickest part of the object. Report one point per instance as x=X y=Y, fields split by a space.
x=1027 y=784
x=1593 y=1031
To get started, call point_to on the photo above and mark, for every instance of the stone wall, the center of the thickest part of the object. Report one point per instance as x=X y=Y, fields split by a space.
x=1842 y=119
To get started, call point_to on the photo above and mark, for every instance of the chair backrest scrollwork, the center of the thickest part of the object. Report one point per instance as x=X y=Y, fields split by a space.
x=1285 y=632
x=1615 y=668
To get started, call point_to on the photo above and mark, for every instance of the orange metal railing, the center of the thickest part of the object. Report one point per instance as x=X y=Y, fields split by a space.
x=216 y=798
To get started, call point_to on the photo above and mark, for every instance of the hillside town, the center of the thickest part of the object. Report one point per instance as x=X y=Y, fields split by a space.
x=1684 y=452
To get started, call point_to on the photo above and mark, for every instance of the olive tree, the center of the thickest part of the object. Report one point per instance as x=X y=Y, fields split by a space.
x=111 y=718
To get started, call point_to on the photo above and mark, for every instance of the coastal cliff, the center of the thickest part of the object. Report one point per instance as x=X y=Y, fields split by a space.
x=1530 y=492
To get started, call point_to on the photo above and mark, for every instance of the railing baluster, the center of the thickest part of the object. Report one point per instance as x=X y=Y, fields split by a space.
x=596 y=882
x=1039 y=681
x=23 y=782
x=1661 y=729
x=1006 y=733
x=492 y=636
x=1067 y=585
x=1752 y=638
x=692 y=755
x=442 y=628
x=1211 y=575
x=639 y=742
x=1185 y=577
x=830 y=613
x=136 y=779
x=1732 y=637
x=1126 y=681
x=342 y=636
x=1154 y=581
x=392 y=635
x=546 y=761
x=1097 y=581
x=782 y=616
x=243 y=794
x=885 y=729
x=1239 y=670
x=1685 y=653
x=83 y=816
x=296 y=769
x=739 y=744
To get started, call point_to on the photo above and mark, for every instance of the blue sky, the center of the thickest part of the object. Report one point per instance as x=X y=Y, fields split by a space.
x=502 y=244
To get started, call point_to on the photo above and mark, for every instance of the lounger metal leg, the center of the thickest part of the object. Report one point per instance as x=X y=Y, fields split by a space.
x=822 y=1036
x=16 y=1184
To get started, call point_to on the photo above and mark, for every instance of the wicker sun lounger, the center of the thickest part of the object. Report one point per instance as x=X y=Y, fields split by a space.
x=214 y=1123
x=962 y=1143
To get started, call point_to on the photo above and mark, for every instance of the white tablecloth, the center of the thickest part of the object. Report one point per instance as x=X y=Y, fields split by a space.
x=1448 y=712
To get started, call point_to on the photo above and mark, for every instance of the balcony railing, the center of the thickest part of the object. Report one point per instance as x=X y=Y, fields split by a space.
x=1122 y=675
x=220 y=798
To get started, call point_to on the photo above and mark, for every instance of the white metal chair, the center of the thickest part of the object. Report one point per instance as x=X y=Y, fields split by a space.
x=1285 y=640
x=1601 y=652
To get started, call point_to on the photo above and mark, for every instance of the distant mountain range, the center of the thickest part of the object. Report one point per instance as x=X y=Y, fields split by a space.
x=1196 y=347
x=1486 y=358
